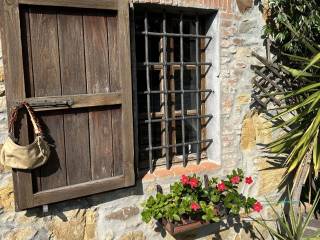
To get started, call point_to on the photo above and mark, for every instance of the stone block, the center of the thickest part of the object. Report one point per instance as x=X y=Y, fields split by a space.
x=1 y=73
x=247 y=25
x=255 y=130
x=7 y=197
x=244 y=5
x=24 y=233
x=269 y=176
x=90 y=225
x=137 y=235
x=123 y=214
x=75 y=226
x=248 y=135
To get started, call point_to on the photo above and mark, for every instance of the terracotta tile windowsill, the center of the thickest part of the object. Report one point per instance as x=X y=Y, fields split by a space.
x=178 y=170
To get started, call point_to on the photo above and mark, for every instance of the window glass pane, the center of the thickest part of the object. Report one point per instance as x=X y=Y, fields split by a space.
x=191 y=134
x=155 y=101
x=140 y=40
x=173 y=21
x=189 y=82
x=139 y=24
x=189 y=49
x=171 y=49
x=155 y=22
x=176 y=50
x=189 y=25
x=190 y=101
x=154 y=77
x=144 y=140
x=179 y=136
x=142 y=87
x=189 y=79
x=155 y=48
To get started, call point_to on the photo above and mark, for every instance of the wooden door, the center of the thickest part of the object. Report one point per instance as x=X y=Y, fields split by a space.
x=71 y=60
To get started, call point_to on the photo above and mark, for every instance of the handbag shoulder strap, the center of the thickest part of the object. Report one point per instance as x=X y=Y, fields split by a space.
x=34 y=120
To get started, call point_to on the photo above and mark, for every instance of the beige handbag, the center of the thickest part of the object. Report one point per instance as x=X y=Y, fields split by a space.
x=24 y=157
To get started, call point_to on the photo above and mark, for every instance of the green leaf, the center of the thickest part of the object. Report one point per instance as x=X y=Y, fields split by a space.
x=146 y=216
x=176 y=217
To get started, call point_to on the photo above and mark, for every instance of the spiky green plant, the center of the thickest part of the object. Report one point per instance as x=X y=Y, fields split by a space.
x=301 y=118
x=291 y=226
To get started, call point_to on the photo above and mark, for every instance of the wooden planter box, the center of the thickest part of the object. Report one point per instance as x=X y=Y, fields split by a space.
x=192 y=225
x=186 y=226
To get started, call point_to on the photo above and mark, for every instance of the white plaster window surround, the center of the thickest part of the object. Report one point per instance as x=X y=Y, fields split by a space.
x=213 y=103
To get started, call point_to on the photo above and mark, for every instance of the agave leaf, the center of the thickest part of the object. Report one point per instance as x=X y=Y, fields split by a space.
x=271 y=230
x=294 y=120
x=315 y=102
x=313 y=86
x=300 y=59
x=293 y=161
x=307 y=101
x=299 y=73
x=316 y=154
x=289 y=135
x=280 y=221
x=310 y=214
x=284 y=146
x=303 y=144
x=313 y=61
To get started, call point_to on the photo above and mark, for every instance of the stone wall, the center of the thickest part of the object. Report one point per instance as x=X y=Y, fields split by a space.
x=115 y=215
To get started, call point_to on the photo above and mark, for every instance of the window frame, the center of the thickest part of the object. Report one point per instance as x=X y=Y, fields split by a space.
x=168 y=66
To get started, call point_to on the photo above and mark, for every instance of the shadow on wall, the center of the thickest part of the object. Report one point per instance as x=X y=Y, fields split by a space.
x=85 y=203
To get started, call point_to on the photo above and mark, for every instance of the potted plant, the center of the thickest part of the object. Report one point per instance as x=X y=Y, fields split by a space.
x=190 y=204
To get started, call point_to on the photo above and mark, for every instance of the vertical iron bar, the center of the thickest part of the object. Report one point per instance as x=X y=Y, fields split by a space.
x=148 y=91
x=182 y=92
x=165 y=86
x=197 y=86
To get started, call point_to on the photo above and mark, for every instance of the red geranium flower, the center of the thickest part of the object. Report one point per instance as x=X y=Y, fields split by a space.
x=221 y=187
x=249 y=180
x=235 y=179
x=195 y=206
x=194 y=182
x=257 y=207
x=184 y=180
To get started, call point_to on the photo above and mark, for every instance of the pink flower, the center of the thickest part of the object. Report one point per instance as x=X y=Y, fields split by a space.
x=184 y=180
x=249 y=180
x=194 y=182
x=221 y=187
x=195 y=206
x=235 y=180
x=257 y=207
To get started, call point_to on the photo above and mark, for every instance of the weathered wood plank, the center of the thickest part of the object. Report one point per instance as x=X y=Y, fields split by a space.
x=15 y=89
x=78 y=101
x=46 y=71
x=96 y=4
x=79 y=190
x=125 y=77
x=115 y=86
x=28 y=74
x=73 y=81
x=100 y=122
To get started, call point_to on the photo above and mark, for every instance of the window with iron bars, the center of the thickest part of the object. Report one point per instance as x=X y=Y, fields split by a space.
x=171 y=67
